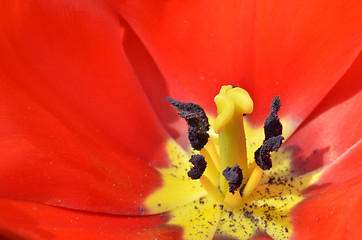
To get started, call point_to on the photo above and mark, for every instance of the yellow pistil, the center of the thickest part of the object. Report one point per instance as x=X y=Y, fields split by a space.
x=231 y=104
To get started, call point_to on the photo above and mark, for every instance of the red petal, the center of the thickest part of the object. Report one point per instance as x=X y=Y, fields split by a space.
x=346 y=168
x=70 y=58
x=45 y=160
x=297 y=49
x=334 y=214
x=334 y=210
x=334 y=126
x=37 y=221
x=154 y=85
x=76 y=127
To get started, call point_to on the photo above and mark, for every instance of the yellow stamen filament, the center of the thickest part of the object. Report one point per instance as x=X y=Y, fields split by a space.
x=214 y=138
x=211 y=189
x=250 y=170
x=210 y=148
x=211 y=172
x=253 y=182
x=233 y=200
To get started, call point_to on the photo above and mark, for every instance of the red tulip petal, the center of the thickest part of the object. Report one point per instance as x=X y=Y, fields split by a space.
x=71 y=59
x=335 y=214
x=334 y=126
x=297 y=49
x=334 y=209
x=73 y=115
x=38 y=221
x=347 y=167
x=44 y=160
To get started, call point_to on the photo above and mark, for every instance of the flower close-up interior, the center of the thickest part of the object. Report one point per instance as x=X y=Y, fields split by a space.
x=170 y=119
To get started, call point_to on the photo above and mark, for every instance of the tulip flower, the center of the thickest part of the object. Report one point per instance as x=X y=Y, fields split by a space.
x=91 y=149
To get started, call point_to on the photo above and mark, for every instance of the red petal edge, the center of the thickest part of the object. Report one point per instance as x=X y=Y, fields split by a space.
x=19 y=219
x=334 y=125
x=333 y=209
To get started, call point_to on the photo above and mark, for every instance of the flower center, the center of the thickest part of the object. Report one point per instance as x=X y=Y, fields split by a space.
x=234 y=196
x=222 y=165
